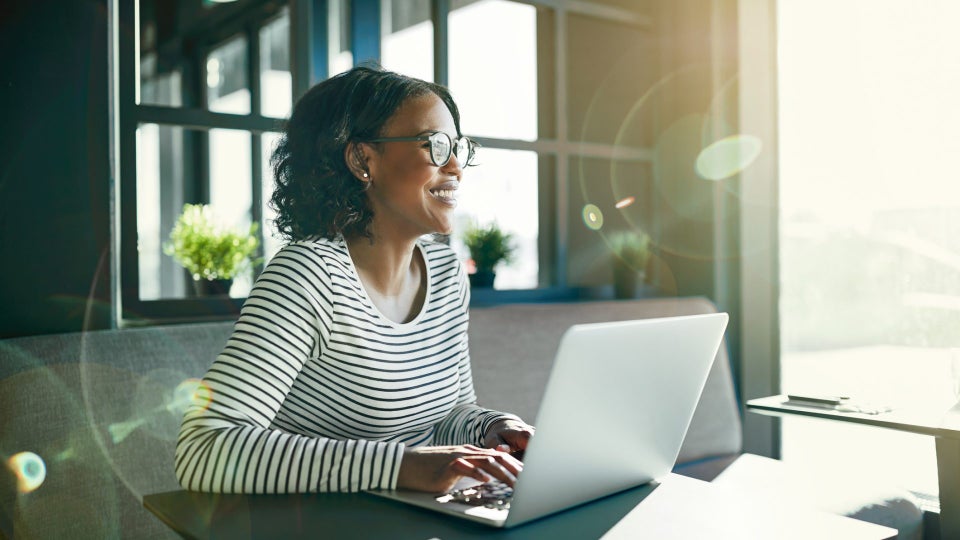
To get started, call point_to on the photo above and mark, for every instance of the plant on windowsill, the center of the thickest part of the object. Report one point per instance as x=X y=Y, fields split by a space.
x=488 y=247
x=631 y=254
x=213 y=253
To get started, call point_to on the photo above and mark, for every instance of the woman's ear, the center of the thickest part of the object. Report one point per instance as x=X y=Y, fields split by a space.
x=356 y=158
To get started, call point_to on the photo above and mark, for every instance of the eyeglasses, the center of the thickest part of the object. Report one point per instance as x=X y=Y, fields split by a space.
x=441 y=148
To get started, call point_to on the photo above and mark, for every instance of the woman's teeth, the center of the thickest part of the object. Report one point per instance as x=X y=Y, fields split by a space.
x=444 y=193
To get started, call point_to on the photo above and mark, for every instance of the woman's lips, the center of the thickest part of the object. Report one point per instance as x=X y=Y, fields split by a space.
x=446 y=196
x=446 y=192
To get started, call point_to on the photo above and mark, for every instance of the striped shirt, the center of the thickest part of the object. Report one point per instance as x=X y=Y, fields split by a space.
x=317 y=391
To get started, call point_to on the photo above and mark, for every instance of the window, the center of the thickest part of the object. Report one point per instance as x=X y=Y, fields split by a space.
x=276 y=84
x=503 y=190
x=228 y=87
x=407 y=43
x=869 y=221
x=495 y=106
x=340 y=51
x=197 y=126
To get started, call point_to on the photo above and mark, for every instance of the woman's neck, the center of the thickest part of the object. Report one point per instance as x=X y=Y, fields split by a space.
x=388 y=266
x=393 y=274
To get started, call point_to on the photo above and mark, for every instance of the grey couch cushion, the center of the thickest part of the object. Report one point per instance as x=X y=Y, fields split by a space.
x=512 y=348
x=99 y=409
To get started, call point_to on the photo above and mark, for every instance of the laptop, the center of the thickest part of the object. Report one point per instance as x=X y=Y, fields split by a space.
x=635 y=384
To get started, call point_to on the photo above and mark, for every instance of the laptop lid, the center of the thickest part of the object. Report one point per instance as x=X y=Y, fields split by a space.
x=617 y=405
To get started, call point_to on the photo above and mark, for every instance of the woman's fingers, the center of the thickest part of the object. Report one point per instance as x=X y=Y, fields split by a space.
x=462 y=467
x=483 y=465
x=494 y=467
x=511 y=463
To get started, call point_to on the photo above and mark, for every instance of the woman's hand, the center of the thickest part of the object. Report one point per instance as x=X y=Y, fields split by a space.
x=437 y=468
x=510 y=436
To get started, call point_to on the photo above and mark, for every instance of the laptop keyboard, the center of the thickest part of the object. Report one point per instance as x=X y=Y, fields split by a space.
x=494 y=494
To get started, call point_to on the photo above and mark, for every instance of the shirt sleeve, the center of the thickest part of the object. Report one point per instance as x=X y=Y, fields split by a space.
x=226 y=443
x=467 y=423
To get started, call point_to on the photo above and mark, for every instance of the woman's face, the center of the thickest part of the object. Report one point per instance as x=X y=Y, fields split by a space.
x=408 y=193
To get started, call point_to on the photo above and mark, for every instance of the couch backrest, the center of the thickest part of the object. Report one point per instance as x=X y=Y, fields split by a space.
x=512 y=349
x=100 y=409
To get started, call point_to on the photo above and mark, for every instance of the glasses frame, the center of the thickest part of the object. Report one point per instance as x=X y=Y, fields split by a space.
x=471 y=146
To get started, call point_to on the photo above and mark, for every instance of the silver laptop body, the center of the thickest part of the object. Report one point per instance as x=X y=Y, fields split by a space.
x=617 y=405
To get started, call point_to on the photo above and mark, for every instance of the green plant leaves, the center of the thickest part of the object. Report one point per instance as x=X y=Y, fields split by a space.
x=488 y=246
x=632 y=247
x=206 y=248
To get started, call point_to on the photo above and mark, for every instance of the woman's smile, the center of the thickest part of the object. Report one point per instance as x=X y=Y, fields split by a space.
x=446 y=193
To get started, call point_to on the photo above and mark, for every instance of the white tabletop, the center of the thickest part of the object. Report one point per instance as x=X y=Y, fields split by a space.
x=677 y=510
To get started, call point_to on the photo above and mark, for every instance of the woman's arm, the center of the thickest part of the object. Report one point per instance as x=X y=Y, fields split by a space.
x=226 y=442
x=468 y=423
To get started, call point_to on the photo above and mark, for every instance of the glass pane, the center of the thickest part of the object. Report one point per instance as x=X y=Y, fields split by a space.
x=275 y=83
x=159 y=81
x=158 y=88
x=407 y=43
x=503 y=189
x=870 y=222
x=161 y=177
x=495 y=80
x=338 y=29
x=165 y=181
x=619 y=87
x=228 y=89
x=231 y=187
x=271 y=239
x=610 y=200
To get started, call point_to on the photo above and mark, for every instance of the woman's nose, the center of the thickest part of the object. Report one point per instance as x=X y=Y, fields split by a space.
x=453 y=165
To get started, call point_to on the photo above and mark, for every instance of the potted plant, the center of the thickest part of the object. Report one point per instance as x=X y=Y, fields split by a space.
x=488 y=247
x=631 y=253
x=213 y=253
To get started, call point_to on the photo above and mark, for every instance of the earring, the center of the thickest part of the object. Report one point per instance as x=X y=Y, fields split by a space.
x=365 y=175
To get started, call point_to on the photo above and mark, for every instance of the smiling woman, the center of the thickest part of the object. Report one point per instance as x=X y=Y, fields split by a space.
x=349 y=366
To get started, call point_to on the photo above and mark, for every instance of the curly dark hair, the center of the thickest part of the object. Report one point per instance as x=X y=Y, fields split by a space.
x=316 y=194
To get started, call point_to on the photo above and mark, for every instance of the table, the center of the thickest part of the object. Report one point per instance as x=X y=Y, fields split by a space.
x=674 y=508
x=944 y=426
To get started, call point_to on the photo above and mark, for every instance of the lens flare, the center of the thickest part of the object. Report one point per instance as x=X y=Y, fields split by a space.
x=120 y=430
x=161 y=398
x=190 y=391
x=29 y=469
x=661 y=134
x=592 y=217
x=728 y=156
x=625 y=202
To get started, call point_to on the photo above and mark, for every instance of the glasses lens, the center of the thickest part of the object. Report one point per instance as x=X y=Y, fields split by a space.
x=440 y=148
x=464 y=151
